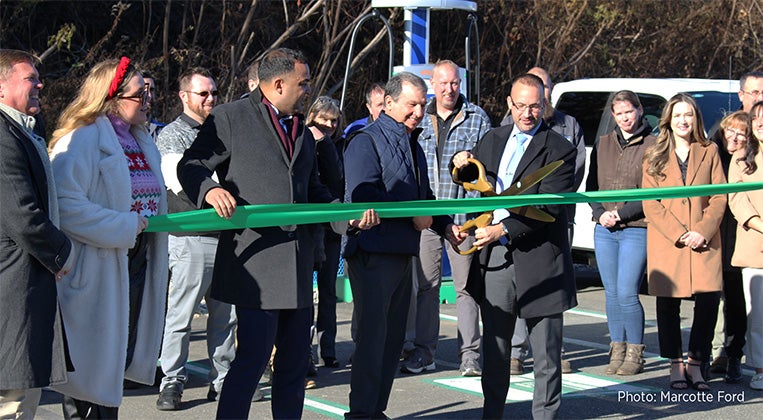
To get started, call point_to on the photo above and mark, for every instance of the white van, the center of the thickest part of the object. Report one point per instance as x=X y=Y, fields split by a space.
x=589 y=101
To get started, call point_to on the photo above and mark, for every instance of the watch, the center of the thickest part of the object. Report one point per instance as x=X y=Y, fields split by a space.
x=505 y=231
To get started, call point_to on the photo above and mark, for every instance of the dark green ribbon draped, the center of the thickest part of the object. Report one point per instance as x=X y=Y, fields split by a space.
x=262 y=215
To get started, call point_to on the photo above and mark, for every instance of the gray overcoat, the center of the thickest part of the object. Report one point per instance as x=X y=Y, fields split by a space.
x=262 y=268
x=32 y=250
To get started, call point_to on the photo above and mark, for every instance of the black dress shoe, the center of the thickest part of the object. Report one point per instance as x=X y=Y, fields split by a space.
x=128 y=384
x=330 y=362
x=733 y=371
x=212 y=393
x=169 y=398
x=718 y=364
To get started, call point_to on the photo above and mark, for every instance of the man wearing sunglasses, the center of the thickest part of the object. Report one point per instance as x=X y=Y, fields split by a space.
x=192 y=256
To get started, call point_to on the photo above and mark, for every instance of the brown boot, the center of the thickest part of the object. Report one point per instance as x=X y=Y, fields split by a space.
x=616 y=356
x=634 y=360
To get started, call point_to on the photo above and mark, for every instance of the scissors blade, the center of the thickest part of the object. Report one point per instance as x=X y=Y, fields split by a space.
x=533 y=213
x=531 y=179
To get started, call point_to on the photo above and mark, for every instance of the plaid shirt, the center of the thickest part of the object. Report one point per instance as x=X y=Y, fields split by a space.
x=468 y=126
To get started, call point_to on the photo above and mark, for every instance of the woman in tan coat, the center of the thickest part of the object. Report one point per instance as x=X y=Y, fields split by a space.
x=683 y=239
x=747 y=166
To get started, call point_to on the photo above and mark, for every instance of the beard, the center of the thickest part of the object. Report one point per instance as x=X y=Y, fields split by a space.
x=199 y=110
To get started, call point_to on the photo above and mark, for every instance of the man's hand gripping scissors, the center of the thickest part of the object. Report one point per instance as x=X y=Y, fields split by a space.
x=483 y=186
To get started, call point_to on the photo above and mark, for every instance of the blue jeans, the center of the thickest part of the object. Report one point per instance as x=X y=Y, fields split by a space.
x=621 y=257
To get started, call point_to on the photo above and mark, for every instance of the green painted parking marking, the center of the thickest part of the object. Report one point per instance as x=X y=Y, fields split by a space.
x=574 y=385
x=326 y=407
x=317 y=405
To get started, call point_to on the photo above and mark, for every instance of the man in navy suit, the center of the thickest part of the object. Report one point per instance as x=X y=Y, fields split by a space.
x=525 y=266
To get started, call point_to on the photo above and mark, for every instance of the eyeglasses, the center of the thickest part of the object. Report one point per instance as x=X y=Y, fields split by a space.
x=754 y=93
x=738 y=136
x=205 y=93
x=143 y=96
x=523 y=107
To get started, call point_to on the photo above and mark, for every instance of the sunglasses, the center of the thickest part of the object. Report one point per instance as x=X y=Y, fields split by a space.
x=143 y=96
x=326 y=99
x=205 y=93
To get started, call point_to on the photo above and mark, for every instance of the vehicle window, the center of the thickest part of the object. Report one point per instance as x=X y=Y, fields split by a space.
x=652 y=105
x=715 y=105
x=587 y=108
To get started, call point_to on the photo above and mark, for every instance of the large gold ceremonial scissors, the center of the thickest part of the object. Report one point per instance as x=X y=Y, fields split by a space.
x=483 y=186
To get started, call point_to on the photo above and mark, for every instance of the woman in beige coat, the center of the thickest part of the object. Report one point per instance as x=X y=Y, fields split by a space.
x=747 y=166
x=683 y=239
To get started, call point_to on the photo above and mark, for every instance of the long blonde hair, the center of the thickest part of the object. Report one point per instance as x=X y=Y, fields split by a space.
x=657 y=156
x=92 y=99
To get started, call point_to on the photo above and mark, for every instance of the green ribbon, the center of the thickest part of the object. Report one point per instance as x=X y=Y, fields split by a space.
x=264 y=215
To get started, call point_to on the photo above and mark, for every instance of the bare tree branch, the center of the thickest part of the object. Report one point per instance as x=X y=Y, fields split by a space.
x=118 y=9
x=197 y=24
x=309 y=11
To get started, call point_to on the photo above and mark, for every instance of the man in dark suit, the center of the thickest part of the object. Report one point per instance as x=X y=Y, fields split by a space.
x=262 y=154
x=525 y=266
x=34 y=253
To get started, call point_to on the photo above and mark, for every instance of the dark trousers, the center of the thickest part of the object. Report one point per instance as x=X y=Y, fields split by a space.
x=258 y=330
x=78 y=409
x=702 y=328
x=381 y=288
x=735 y=313
x=326 y=321
x=499 y=313
x=137 y=266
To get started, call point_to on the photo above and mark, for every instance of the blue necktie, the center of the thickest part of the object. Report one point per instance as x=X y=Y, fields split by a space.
x=516 y=157
x=508 y=174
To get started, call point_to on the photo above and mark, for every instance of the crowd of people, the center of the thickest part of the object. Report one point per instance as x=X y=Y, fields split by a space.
x=92 y=301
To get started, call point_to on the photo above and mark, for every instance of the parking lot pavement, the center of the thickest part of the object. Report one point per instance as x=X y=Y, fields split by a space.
x=443 y=394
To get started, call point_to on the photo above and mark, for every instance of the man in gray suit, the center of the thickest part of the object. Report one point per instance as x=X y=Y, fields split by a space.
x=524 y=267
x=262 y=154
x=35 y=254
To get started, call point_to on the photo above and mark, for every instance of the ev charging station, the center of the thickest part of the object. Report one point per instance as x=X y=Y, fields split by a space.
x=416 y=59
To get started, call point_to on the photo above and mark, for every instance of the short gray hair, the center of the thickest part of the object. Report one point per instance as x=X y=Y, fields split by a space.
x=9 y=58
x=395 y=85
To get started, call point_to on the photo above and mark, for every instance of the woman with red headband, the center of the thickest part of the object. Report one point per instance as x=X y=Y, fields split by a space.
x=108 y=178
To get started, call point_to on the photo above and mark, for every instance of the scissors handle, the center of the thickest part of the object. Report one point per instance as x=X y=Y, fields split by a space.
x=478 y=222
x=471 y=250
x=481 y=184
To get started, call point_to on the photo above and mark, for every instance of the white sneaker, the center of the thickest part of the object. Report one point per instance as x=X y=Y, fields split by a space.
x=757 y=382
